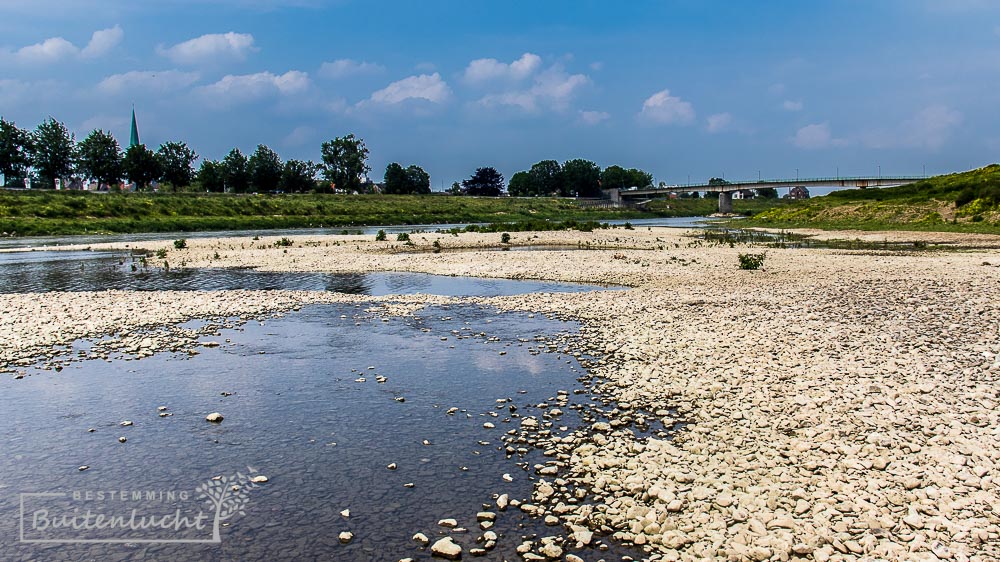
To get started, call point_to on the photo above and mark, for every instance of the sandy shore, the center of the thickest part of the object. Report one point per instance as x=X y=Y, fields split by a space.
x=841 y=405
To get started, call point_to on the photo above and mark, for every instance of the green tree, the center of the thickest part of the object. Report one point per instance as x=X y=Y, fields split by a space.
x=766 y=193
x=639 y=178
x=265 y=169
x=717 y=181
x=211 y=176
x=521 y=185
x=547 y=178
x=298 y=176
x=417 y=180
x=455 y=189
x=616 y=176
x=581 y=178
x=100 y=157
x=235 y=172
x=394 y=179
x=141 y=166
x=345 y=162
x=15 y=152
x=54 y=151
x=177 y=164
x=486 y=182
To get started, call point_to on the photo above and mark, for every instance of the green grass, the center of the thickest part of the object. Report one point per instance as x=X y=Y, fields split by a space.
x=706 y=206
x=962 y=202
x=65 y=212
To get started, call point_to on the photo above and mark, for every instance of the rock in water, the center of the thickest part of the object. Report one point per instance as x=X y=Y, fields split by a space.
x=346 y=537
x=446 y=548
x=259 y=479
x=214 y=417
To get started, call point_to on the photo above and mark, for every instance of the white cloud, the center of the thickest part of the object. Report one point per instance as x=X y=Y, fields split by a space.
x=429 y=87
x=299 y=136
x=553 y=88
x=246 y=87
x=342 y=68
x=816 y=135
x=210 y=47
x=597 y=66
x=790 y=105
x=103 y=122
x=663 y=109
x=147 y=80
x=13 y=91
x=55 y=49
x=485 y=70
x=102 y=41
x=718 y=122
x=930 y=128
x=594 y=117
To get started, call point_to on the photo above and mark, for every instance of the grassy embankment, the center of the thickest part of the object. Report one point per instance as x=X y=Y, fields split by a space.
x=51 y=212
x=962 y=202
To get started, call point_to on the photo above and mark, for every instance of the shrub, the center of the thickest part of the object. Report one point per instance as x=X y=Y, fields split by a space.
x=161 y=253
x=180 y=244
x=437 y=247
x=505 y=238
x=628 y=226
x=283 y=243
x=752 y=261
x=380 y=236
x=402 y=237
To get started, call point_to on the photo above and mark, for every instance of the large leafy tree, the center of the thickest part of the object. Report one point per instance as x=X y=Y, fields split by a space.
x=399 y=180
x=265 y=169
x=298 y=176
x=177 y=164
x=520 y=185
x=211 y=176
x=15 y=152
x=546 y=178
x=100 y=157
x=486 y=182
x=581 y=178
x=54 y=151
x=235 y=171
x=345 y=162
x=616 y=176
x=141 y=166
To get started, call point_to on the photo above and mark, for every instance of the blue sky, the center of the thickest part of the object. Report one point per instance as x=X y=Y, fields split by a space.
x=682 y=88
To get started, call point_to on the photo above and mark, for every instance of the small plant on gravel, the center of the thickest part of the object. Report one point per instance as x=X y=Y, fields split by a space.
x=505 y=238
x=161 y=253
x=283 y=243
x=628 y=226
x=380 y=236
x=402 y=237
x=180 y=243
x=752 y=261
x=437 y=247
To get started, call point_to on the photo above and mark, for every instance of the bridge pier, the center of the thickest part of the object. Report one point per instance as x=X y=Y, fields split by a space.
x=725 y=202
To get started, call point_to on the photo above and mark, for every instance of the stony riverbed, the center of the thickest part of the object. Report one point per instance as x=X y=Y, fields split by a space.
x=840 y=405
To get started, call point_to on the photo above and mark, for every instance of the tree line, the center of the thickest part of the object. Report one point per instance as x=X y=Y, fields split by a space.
x=50 y=152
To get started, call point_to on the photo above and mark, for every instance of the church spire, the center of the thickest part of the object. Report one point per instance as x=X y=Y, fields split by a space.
x=134 y=138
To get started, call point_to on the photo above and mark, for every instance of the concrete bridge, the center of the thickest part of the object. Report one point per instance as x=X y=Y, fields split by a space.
x=726 y=190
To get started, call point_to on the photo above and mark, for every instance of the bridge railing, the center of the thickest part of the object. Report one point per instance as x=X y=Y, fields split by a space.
x=789 y=180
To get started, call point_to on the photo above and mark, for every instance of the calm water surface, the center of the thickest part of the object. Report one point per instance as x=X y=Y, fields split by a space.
x=298 y=413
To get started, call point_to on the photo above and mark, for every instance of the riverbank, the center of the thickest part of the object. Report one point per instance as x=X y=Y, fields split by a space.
x=840 y=404
x=34 y=213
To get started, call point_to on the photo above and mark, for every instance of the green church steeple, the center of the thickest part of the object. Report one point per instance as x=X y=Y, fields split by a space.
x=134 y=138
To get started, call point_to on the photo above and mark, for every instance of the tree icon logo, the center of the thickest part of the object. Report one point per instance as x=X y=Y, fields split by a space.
x=228 y=496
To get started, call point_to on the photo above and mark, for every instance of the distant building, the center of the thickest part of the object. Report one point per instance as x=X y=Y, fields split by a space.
x=798 y=192
x=743 y=194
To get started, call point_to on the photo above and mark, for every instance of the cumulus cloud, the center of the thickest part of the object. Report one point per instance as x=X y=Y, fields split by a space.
x=816 y=135
x=55 y=49
x=13 y=91
x=930 y=128
x=342 y=68
x=553 y=88
x=428 y=87
x=486 y=70
x=246 y=87
x=663 y=109
x=718 y=122
x=102 y=41
x=147 y=80
x=594 y=117
x=209 y=48
x=790 y=105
